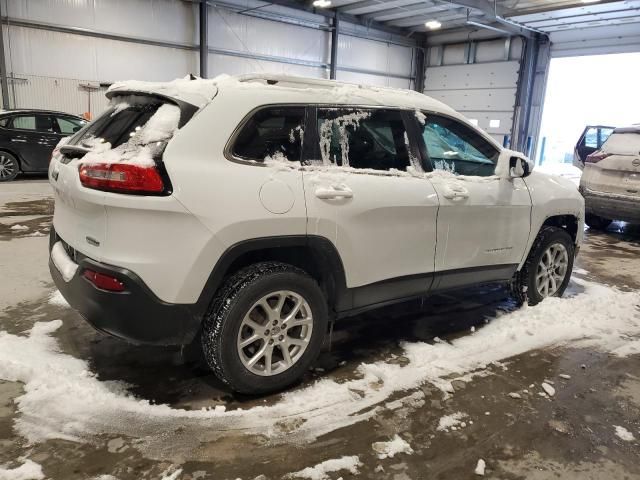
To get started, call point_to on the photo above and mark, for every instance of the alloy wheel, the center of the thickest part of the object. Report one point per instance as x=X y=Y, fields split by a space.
x=275 y=333
x=552 y=269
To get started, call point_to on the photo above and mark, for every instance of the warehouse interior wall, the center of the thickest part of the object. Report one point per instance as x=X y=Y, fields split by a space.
x=479 y=78
x=63 y=54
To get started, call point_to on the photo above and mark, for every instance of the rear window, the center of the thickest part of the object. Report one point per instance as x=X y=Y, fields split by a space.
x=119 y=123
x=622 y=144
x=135 y=129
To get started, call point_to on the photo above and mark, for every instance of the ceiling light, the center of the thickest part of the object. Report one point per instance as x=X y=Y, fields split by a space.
x=321 y=3
x=433 y=24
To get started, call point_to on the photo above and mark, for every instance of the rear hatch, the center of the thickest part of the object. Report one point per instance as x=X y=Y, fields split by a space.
x=615 y=168
x=117 y=160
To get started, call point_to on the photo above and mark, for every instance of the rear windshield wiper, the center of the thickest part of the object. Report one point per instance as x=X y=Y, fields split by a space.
x=74 y=151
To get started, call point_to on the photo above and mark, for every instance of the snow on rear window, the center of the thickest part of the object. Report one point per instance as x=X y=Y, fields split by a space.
x=622 y=144
x=135 y=130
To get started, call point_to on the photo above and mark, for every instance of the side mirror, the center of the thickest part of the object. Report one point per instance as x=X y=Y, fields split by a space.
x=512 y=164
x=518 y=167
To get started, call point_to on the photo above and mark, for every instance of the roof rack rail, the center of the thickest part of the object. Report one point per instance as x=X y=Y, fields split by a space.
x=291 y=80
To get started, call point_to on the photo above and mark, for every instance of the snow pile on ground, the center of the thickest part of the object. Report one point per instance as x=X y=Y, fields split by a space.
x=451 y=422
x=624 y=434
x=480 y=467
x=58 y=300
x=29 y=470
x=18 y=227
x=64 y=399
x=171 y=476
x=391 y=448
x=321 y=471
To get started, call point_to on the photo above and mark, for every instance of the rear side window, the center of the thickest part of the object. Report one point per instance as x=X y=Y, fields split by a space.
x=361 y=138
x=271 y=133
x=24 y=122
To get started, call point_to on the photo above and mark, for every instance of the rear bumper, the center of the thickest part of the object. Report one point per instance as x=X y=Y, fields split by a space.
x=135 y=315
x=611 y=206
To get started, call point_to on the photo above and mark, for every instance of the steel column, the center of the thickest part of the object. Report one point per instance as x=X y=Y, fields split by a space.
x=524 y=96
x=4 y=83
x=335 y=34
x=204 y=38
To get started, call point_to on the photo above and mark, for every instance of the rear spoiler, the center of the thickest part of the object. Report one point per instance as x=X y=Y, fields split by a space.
x=187 y=110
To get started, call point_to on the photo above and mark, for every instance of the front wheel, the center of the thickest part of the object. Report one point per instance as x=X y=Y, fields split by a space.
x=264 y=328
x=548 y=268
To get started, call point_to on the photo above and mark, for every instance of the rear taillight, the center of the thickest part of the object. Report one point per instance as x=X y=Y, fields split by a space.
x=595 y=157
x=103 y=282
x=121 y=178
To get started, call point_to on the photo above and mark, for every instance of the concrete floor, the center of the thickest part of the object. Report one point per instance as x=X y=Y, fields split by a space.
x=568 y=436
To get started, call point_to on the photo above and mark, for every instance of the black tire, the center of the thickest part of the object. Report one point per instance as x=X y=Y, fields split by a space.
x=523 y=286
x=595 y=222
x=225 y=316
x=9 y=167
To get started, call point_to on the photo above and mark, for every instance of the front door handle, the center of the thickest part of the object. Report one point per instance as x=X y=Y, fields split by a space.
x=325 y=193
x=454 y=192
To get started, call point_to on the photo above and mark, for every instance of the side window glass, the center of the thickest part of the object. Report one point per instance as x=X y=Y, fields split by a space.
x=603 y=134
x=591 y=138
x=24 y=122
x=374 y=139
x=454 y=147
x=3 y=122
x=272 y=133
x=67 y=126
x=44 y=123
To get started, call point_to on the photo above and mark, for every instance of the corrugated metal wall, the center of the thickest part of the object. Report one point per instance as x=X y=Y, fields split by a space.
x=479 y=79
x=48 y=66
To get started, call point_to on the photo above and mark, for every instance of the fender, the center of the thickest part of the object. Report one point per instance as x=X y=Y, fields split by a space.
x=316 y=255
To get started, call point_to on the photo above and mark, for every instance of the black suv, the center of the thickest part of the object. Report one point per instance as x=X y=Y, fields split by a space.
x=27 y=138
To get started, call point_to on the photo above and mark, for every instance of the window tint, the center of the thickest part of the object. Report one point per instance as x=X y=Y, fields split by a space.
x=455 y=147
x=24 y=122
x=67 y=125
x=359 y=138
x=271 y=132
x=117 y=126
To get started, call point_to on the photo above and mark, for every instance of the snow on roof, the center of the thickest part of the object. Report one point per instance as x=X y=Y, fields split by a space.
x=196 y=91
x=199 y=92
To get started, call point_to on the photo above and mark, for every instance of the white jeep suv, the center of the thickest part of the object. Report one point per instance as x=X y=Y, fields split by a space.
x=249 y=212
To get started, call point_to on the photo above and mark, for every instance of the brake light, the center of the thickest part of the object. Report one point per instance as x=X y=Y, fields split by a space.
x=595 y=157
x=103 y=282
x=121 y=178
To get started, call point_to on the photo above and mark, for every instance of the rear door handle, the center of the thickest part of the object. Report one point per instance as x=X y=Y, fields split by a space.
x=325 y=193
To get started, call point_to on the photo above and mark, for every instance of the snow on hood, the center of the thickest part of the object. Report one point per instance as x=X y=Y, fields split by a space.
x=197 y=92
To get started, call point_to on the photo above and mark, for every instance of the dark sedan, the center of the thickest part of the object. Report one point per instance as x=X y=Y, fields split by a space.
x=27 y=138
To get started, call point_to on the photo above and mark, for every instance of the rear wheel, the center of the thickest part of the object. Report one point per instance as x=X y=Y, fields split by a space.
x=596 y=222
x=264 y=328
x=547 y=271
x=9 y=167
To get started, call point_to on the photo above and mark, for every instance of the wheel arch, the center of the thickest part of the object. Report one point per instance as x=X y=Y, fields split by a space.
x=13 y=154
x=315 y=255
x=568 y=222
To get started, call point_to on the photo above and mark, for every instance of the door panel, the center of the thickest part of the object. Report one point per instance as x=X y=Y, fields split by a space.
x=33 y=138
x=484 y=221
x=381 y=219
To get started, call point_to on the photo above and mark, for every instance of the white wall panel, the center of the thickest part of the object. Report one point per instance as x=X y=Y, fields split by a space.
x=366 y=54
x=219 y=64
x=167 y=20
x=65 y=95
x=377 y=80
x=484 y=92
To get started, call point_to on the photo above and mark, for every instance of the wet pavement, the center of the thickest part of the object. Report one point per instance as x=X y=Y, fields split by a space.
x=569 y=435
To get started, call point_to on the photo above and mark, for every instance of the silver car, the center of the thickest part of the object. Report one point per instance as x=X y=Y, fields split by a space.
x=610 y=181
